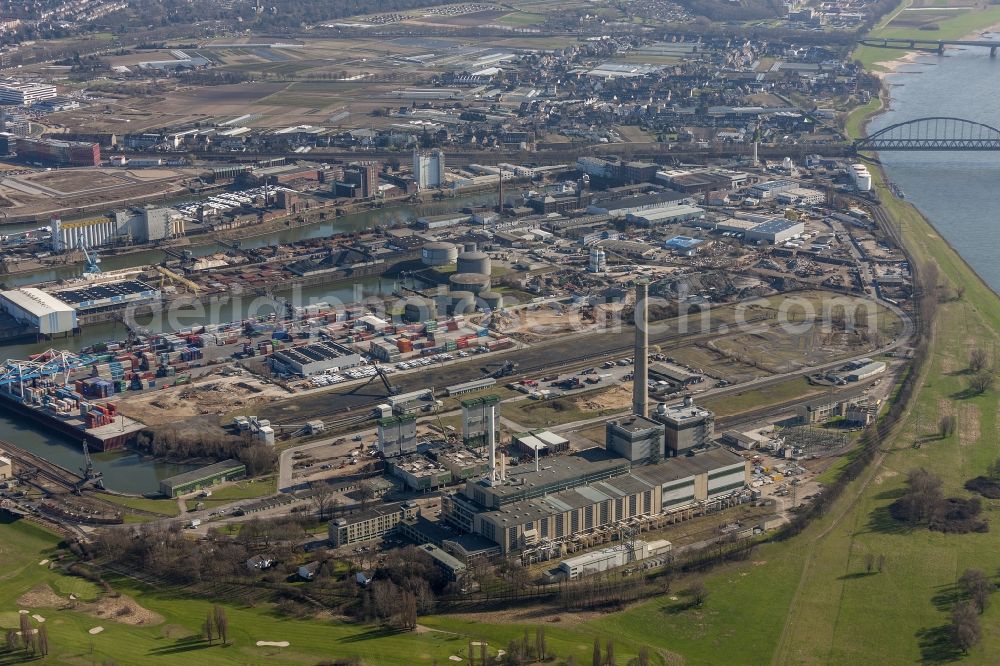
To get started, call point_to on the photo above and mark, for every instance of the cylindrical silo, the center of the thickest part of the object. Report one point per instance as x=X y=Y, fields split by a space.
x=419 y=309
x=475 y=262
x=462 y=302
x=438 y=254
x=491 y=299
x=474 y=282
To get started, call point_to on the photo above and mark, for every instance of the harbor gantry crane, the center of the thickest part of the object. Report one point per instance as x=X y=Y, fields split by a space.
x=91 y=476
x=389 y=388
x=93 y=259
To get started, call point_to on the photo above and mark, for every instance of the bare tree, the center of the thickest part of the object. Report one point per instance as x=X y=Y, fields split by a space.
x=43 y=640
x=946 y=426
x=869 y=563
x=965 y=629
x=221 y=623
x=981 y=382
x=322 y=498
x=977 y=586
x=609 y=653
x=207 y=629
x=881 y=562
x=978 y=360
x=27 y=634
x=597 y=661
x=12 y=641
x=698 y=593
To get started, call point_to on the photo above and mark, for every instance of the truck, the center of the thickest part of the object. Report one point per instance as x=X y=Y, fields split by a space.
x=195 y=522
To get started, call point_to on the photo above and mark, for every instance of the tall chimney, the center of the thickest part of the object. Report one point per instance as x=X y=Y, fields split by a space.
x=492 y=436
x=640 y=388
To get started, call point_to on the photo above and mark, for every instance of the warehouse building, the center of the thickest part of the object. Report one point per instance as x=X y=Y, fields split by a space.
x=774 y=231
x=108 y=295
x=205 y=477
x=314 y=359
x=771 y=188
x=613 y=557
x=6 y=468
x=371 y=523
x=866 y=371
x=43 y=312
x=669 y=214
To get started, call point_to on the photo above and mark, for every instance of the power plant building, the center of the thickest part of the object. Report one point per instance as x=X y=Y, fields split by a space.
x=685 y=426
x=397 y=435
x=635 y=438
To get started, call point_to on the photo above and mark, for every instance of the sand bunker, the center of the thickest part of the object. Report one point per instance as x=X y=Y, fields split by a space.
x=273 y=644
x=38 y=618
x=95 y=631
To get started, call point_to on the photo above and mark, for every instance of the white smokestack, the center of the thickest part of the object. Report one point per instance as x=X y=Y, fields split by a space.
x=640 y=388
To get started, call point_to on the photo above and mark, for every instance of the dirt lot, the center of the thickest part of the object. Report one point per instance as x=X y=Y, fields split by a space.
x=217 y=395
x=75 y=181
x=619 y=397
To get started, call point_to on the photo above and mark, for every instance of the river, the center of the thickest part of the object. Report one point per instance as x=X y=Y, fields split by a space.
x=127 y=471
x=953 y=190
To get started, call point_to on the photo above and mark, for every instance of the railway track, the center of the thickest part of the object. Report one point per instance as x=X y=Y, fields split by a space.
x=50 y=472
x=526 y=368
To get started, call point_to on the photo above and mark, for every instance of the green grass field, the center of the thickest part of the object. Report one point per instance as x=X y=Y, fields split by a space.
x=241 y=490
x=164 y=507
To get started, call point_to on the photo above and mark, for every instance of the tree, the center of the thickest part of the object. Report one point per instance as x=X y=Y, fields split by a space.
x=869 y=563
x=27 y=634
x=965 y=629
x=881 y=563
x=207 y=628
x=221 y=623
x=597 y=653
x=946 y=426
x=609 y=653
x=981 y=382
x=642 y=659
x=698 y=593
x=11 y=640
x=540 y=648
x=977 y=586
x=43 y=640
x=978 y=360
x=323 y=498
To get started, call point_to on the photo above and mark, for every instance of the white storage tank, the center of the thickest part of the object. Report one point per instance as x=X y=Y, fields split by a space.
x=438 y=254
x=472 y=282
x=475 y=262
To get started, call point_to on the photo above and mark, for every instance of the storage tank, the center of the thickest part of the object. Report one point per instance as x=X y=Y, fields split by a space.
x=491 y=299
x=438 y=254
x=473 y=282
x=475 y=262
x=461 y=302
x=419 y=309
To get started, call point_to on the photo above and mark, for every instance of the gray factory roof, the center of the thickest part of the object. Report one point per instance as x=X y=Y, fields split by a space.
x=774 y=226
x=635 y=424
x=556 y=471
x=683 y=467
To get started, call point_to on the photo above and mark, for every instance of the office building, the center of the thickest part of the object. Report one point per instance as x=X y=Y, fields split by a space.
x=428 y=170
x=25 y=94
x=50 y=152
x=370 y=524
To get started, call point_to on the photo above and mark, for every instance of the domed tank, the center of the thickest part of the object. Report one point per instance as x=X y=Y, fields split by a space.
x=475 y=262
x=491 y=299
x=419 y=309
x=438 y=254
x=462 y=302
x=472 y=282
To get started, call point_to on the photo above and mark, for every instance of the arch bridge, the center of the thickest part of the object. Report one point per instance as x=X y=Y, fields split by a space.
x=937 y=133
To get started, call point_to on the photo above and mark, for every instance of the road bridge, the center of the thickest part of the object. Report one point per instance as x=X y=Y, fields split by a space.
x=930 y=45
